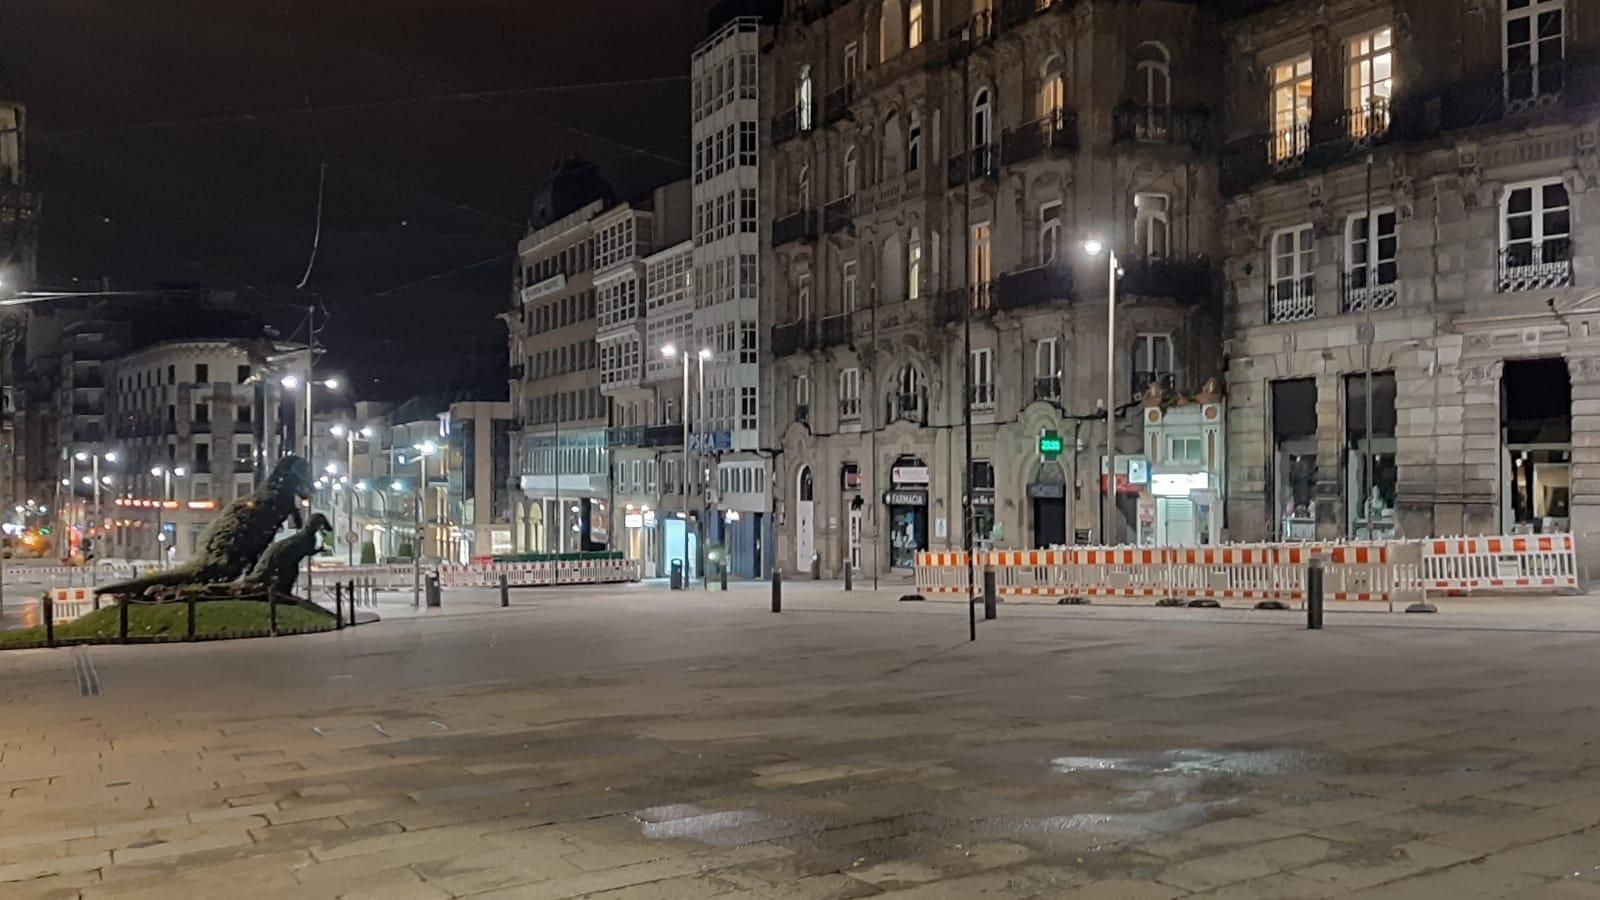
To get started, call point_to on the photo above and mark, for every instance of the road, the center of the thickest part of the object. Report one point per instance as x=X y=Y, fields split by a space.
x=632 y=743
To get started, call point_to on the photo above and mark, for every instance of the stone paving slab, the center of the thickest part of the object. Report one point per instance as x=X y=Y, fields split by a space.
x=585 y=744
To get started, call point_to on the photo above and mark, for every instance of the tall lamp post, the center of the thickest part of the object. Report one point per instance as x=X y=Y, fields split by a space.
x=1095 y=247
x=350 y=436
x=670 y=351
x=424 y=450
x=166 y=474
x=95 y=479
x=290 y=382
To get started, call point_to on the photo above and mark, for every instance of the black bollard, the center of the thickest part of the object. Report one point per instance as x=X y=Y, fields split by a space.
x=49 y=607
x=122 y=619
x=505 y=593
x=352 y=591
x=1314 y=594
x=777 y=590
x=849 y=576
x=338 y=606
x=988 y=594
x=723 y=574
x=190 y=635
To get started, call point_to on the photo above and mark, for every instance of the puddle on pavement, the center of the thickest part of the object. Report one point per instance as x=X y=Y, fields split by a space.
x=1201 y=763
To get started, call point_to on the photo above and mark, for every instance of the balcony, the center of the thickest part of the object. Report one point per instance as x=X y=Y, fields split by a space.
x=1143 y=380
x=1037 y=286
x=1358 y=294
x=974 y=164
x=200 y=426
x=802 y=412
x=1057 y=133
x=838 y=215
x=1292 y=299
x=1183 y=278
x=1536 y=267
x=201 y=467
x=785 y=126
x=1015 y=12
x=953 y=305
x=1159 y=124
x=833 y=331
x=836 y=103
x=1047 y=388
x=516 y=372
x=1246 y=162
x=800 y=226
x=791 y=338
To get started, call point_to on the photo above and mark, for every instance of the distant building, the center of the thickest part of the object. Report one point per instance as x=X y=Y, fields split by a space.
x=478 y=468
x=19 y=236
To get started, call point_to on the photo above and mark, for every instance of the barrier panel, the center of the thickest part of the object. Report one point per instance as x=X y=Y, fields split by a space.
x=71 y=603
x=540 y=574
x=1249 y=574
x=1516 y=563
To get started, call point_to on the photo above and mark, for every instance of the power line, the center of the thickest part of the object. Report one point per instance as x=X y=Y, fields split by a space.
x=357 y=105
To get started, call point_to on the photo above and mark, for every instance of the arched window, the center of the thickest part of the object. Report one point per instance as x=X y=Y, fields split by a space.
x=1153 y=65
x=803 y=188
x=1049 y=233
x=982 y=119
x=1052 y=90
x=891 y=146
x=802 y=98
x=807 y=490
x=914 y=264
x=891 y=35
x=850 y=171
x=1151 y=228
x=907 y=398
x=914 y=142
x=914 y=25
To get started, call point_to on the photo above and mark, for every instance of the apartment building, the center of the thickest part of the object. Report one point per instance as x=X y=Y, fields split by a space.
x=561 y=457
x=937 y=169
x=1412 y=230
x=19 y=241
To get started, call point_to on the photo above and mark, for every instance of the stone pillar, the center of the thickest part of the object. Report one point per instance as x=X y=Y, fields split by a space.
x=1585 y=491
x=1249 y=443
x=1330 y=457
x=1481 y=477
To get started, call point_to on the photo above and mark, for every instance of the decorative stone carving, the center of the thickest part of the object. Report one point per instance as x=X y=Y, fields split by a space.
x=1480 y=374
x=1584 y=369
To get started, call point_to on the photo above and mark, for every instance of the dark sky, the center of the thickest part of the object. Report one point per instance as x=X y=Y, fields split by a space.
x=172 y=142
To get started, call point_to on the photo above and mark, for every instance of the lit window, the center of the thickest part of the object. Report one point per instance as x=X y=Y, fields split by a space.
x=914 y=265
x=1291 y=109
x=914 y=29
x=802 y=99
x=1371 y=82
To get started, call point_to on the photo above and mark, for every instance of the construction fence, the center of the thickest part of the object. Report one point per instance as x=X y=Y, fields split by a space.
x=1392 y=572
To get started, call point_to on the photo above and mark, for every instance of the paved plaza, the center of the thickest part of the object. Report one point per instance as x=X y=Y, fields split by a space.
x=632 y=744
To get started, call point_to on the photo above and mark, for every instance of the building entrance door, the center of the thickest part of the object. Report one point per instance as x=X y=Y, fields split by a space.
x=805 y=530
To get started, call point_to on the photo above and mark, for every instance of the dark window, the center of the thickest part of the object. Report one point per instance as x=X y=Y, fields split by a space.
x=242 y=414
x=172 y=374
x=202 y=373
x=202 y=412
x=202 y=453
x=244 y=374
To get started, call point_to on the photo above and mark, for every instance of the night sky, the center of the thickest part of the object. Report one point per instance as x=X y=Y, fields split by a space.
x=171 y=141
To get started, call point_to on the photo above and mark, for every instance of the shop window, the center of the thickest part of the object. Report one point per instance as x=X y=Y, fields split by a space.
x=1370 y=473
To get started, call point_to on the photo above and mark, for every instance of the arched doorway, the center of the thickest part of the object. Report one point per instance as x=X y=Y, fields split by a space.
x=1047 y=494
x=907 y=500
x=805 y=530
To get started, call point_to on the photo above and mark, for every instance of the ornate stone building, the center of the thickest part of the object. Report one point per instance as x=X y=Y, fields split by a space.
x=1412 y=193
x=937 y=165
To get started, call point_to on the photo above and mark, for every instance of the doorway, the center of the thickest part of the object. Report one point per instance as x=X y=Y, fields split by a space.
x=1294 y=458
x=805 y=535
x=1047 y=494
x=1536 y=446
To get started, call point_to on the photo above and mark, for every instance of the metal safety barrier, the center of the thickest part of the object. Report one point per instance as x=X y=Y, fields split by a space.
x=1537 y=563
x=540 y=574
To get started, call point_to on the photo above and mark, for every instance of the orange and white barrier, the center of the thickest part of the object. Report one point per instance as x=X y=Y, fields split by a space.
x=1516 y=563
x=540 y=574
x=71 y=603
x=1239 y=573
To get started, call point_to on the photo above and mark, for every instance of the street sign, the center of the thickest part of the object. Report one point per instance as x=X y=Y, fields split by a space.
x=351 y=536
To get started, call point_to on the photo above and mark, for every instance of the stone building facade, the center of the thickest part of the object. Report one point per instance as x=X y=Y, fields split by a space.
x=936 y=163
x=1412 y=192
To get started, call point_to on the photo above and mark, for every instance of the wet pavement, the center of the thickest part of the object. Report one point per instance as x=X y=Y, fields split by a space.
x=633 y=744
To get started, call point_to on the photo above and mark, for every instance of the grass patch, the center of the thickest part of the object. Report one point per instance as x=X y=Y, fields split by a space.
x=170 y=621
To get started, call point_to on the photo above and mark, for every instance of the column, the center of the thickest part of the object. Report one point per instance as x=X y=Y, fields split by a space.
x=1585 y=453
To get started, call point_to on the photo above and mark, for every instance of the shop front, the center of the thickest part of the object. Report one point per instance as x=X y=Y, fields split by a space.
x=1181 y=487
x=1047 y=496
x=907 y=503
x=639 y=539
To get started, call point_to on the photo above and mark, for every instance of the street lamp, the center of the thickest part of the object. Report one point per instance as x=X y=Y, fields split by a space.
x=350 y=436
x=670 y=351
x=424 y=450
x=166 y=474
x=1094 y=247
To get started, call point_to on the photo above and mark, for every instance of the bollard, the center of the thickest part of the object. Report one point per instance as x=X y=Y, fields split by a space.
x=988 y=594
x=435 y=599
x=272 y=614
x=122 y=619
x=849 y=576
x=816 y=567
x=777 y=590
x=190 y=635
x=675 y=580
x=723 y=570
x=338 y=606
x=352 y=592
x=49 y=607
x=1314 y=594
x=505 y=592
